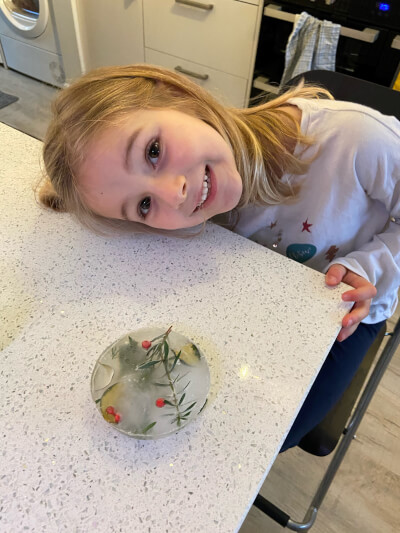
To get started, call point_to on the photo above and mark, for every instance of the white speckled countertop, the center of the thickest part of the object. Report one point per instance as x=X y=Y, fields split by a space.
x=264 y=322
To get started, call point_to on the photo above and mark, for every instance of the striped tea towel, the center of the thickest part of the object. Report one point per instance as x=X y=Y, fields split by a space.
x=311 y=46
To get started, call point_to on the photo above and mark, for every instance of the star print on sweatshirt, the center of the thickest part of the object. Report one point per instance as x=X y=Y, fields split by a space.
x=351 y=195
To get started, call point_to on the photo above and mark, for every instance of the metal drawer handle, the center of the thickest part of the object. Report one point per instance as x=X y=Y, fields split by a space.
x=193 y=74
x=207 y=7
x=367 y=35
x=396 y=43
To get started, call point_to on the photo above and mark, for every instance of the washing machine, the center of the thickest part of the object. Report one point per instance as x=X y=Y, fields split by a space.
x=29 y=40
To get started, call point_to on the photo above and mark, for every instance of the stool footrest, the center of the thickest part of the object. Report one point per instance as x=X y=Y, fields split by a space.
x=271 y=510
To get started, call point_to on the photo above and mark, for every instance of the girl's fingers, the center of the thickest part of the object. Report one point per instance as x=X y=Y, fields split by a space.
x=346 y=332
x=359 y=311
x=335 y=274
x=362 y=293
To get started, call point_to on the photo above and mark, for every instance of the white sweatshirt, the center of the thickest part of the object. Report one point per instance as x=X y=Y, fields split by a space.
x=348 y=210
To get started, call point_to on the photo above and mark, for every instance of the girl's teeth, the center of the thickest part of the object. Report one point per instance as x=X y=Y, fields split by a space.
x=206 y=186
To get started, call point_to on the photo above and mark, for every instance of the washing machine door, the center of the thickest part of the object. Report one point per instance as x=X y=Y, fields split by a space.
x=26 y=17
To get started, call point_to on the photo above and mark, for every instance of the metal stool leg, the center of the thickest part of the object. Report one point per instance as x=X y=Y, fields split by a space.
x=284 y=519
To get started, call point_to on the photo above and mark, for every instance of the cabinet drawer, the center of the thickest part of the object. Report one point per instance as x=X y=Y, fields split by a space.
x=222 y=38
x=228 y=89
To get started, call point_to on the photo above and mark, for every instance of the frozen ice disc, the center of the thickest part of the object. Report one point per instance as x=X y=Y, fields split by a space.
x=150 y=383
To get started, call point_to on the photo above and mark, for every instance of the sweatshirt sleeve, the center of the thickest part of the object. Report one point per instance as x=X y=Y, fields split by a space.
x=377 y=168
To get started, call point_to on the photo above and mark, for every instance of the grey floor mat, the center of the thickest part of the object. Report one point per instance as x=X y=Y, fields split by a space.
x=6 y=99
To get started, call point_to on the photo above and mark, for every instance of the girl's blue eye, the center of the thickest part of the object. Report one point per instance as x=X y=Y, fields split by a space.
x=144 y=207
x=153 y=152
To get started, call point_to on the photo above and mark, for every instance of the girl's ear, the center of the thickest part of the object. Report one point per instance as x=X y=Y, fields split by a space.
x=48 y=197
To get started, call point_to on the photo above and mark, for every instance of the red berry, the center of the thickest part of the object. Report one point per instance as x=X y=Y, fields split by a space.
x=110 y=410
x=160 y=402
x=117 y=418
x=146 y=344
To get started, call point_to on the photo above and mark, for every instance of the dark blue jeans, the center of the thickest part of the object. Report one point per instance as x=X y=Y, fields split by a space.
x=333 y=379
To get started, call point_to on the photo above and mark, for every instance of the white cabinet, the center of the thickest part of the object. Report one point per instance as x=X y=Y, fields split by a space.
x=111 y=31
x=213 y=41
x=255 y=2
x=220 y=37
x=228 y=89
x=212 y=38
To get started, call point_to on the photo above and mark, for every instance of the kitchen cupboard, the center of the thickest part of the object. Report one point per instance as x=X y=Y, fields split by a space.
x=231 y=90
x=211 y=41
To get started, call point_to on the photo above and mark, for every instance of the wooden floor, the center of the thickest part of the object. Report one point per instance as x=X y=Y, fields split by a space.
x=365 y=495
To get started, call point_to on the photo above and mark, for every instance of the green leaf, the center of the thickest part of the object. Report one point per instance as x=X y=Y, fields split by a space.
x=176 y=358
x=151 y=351
x=168 y=402
x=189 y=408
x=182 y=398
x=155 y=352
x=179 y=377
x=186 y=386
x=149 y=363
x=166 y=349
x=203 y=406
x=98 y=400
x=162 y=384
x=147 y=428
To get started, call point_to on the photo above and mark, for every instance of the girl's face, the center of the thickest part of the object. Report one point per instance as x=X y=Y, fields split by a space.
x=163 y=168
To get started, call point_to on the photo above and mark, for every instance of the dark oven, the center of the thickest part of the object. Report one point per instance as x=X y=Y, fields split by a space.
x=369 y=42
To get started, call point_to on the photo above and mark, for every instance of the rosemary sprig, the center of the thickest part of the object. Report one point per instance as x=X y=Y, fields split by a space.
x=159 y=353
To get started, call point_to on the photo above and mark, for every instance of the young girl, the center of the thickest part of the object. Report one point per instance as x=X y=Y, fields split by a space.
x=141 y=148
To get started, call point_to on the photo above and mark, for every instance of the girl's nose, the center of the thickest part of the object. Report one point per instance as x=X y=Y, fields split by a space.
x=173 y=190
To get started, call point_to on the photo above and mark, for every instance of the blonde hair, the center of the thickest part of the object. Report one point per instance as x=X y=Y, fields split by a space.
x=260 y=137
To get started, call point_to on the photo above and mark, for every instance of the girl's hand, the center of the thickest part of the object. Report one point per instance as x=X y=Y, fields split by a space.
x=362 y=294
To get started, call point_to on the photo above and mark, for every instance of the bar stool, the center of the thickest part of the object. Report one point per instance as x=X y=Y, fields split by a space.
x=350 y=89
x=341 y=423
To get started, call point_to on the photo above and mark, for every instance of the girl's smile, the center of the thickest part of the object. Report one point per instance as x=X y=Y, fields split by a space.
x=163 y=168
